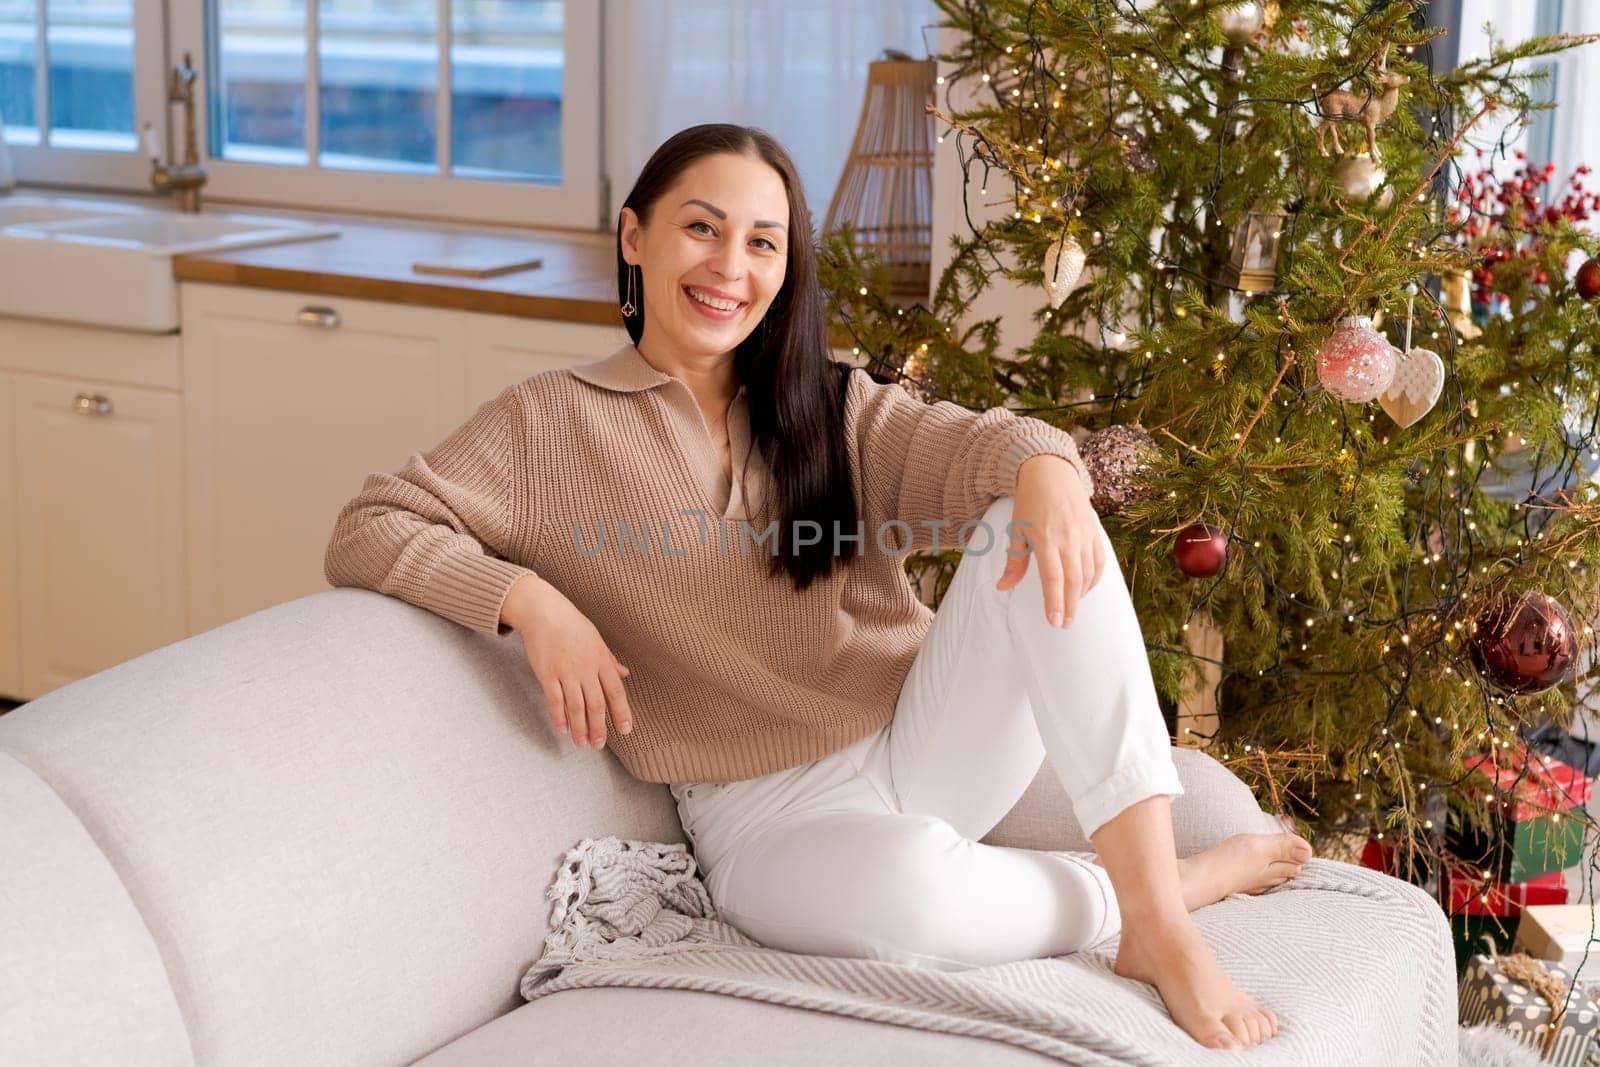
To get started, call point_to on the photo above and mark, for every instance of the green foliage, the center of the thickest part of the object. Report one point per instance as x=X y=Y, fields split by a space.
x=1360 y=551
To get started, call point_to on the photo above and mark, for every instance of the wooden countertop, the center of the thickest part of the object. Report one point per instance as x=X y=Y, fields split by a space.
x=371 y=261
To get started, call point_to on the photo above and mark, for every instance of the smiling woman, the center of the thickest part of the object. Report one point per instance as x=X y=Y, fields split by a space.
x=714 y=256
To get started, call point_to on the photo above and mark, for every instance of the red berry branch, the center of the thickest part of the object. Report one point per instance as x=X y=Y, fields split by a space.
x=1507 y=219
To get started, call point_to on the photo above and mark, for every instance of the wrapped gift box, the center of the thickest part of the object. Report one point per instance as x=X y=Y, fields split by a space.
x=1581 y=754
x=1560 y=933
x=1538 y=830
x=1494 y=911
x=1515 y=993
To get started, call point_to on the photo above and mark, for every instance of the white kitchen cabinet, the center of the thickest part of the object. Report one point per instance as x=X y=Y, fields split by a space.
x=10 y=601
x=503 y=350
x=99 y=510
x=156 y=486
x=291 y=399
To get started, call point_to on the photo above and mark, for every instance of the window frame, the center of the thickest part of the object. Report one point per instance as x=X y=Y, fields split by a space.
x=164 y=32
x=98 y=168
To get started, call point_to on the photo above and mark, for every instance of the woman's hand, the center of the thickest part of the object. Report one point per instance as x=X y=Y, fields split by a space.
x=579 y=674
x=1052 y=507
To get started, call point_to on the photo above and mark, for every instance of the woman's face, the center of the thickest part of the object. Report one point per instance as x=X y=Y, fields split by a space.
x=720 y=233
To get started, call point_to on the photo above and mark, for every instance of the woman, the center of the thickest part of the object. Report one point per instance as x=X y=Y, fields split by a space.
x=708 y=528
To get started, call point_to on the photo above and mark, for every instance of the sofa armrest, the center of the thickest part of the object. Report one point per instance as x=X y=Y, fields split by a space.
x=1215 y=804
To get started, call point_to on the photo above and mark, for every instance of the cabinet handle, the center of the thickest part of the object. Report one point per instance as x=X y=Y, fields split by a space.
x=325 y=317
x=91 y=404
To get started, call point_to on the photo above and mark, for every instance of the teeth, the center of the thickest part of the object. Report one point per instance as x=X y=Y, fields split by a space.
x=711 y=301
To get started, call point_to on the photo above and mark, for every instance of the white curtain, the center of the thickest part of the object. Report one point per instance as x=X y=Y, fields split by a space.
x=1563 y=137
x=795 y=68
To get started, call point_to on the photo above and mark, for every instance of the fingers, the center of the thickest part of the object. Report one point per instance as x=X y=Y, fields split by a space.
x=1062 y=575
x=1017 y=554
x=579 y=706
x=577 y=715
x=1096 y=563
x=552 y=701
x=617 y=699
x=595 y=708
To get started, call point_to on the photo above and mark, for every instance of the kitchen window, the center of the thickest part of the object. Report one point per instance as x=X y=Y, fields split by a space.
x=476 y=110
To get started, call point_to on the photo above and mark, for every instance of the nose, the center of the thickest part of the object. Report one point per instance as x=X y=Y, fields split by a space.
x=727 y=262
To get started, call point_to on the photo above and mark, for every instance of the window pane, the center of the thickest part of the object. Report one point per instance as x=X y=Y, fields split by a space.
x=380 y=75
x=506 y=63
x=258 y=98
x=90 y=47
x=19 y=43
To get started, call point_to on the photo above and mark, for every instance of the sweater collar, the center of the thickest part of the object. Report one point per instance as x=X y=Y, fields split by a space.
x=624 y=371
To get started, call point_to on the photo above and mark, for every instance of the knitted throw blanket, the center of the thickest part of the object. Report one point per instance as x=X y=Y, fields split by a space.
x=1348 y=959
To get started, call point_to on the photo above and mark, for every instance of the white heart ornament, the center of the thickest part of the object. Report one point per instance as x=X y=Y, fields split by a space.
x=1063 y=262
x=1418 y=381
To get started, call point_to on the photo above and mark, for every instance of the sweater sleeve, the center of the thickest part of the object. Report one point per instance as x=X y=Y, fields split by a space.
x=442 y=532
x=925 y=463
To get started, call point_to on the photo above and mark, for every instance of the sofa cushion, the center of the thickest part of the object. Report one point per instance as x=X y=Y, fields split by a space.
x=83 y=981
x=661 y=1027
x=338 y=817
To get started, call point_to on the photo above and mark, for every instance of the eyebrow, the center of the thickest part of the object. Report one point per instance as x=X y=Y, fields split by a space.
x=761 y=224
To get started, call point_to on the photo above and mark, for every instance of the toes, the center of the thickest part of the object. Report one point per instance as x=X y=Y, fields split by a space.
x=1239 y=1026
x=1222 y=1037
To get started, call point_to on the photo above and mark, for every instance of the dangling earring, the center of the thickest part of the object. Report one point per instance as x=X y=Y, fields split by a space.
x=631 y=305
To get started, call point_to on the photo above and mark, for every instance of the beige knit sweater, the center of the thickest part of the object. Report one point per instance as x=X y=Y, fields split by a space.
x=733 y=674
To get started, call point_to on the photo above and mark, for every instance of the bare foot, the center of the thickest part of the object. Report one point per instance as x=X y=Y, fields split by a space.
x=1243 y=863
x=1171 y=955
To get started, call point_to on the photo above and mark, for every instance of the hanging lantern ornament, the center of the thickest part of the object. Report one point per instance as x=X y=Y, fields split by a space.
x=1201 y=550
x=1418 y=377
x=1063 y=263
x=1356 y=363
x=1524 y=644
x=1241 y=22
x=1253 y=266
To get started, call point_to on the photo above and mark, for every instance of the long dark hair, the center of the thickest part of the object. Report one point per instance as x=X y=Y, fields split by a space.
x=794 y=388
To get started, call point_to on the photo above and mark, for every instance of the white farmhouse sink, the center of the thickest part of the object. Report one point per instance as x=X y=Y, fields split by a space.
x=36 y=209
x=111 y=265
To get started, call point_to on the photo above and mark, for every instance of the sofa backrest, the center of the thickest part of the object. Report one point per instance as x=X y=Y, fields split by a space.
x=320 y=834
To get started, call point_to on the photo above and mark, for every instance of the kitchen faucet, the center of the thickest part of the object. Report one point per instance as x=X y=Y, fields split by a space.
x=185 y=178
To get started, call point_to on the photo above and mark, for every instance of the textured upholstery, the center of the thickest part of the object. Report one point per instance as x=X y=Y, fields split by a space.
x=322 y=834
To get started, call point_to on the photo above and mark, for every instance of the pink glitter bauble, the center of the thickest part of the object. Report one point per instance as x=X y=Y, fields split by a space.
x=1356 y=363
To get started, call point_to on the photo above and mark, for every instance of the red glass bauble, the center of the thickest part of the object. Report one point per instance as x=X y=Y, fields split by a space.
x=1524 y=644
x=1201 y=550
x=1588 y=279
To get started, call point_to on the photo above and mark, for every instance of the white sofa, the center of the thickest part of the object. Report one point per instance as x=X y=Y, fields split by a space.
x=322 y=834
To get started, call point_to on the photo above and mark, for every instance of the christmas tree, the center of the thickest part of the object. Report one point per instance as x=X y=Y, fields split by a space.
x=1254 y=244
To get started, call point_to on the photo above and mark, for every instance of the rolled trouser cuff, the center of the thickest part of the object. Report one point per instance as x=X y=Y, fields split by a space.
x=1124 y=787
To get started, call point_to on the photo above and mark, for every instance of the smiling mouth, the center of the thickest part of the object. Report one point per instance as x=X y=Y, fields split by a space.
x=713 y=302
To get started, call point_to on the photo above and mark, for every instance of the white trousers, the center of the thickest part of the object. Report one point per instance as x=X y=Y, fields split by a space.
x=872 y=851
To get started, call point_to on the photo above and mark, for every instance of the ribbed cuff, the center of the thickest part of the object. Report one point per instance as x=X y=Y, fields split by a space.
x=1040 y=440
x=470 y=588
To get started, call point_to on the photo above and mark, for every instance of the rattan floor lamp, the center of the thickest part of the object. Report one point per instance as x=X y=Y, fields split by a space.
x=886 y=190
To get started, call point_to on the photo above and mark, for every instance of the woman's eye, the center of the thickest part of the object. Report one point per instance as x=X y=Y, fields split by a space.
x=698 y=222
x=768 y=243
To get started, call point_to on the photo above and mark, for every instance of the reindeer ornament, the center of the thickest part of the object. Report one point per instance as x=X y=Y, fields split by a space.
x=1369 y=106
